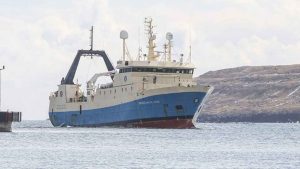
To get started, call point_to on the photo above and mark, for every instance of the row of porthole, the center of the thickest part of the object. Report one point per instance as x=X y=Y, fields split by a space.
x=110 y=91
x=182 y=80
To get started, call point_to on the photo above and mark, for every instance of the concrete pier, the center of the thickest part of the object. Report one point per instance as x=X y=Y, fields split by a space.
x=6 y=119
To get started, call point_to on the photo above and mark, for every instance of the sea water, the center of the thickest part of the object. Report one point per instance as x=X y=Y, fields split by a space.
x=36 y=144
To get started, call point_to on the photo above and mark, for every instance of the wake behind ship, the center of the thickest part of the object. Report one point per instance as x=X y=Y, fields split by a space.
x=151 y=91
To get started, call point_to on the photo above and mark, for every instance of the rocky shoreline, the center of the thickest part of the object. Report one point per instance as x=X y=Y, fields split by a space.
x=253 y=118
x=253 y=94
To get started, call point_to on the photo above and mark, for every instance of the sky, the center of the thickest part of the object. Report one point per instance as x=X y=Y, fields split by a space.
x=39 y=39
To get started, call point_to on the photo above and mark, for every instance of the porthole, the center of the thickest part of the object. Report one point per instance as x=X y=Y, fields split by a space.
x=179 y=108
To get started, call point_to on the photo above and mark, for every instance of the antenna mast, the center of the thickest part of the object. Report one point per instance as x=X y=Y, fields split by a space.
x=190 y=48
x=190 y=54
x=151 y=38
x=169 y=37
x=139 y=49
x=165 y=52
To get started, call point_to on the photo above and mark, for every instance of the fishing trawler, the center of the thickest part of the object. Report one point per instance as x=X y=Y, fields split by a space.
x=153 y=91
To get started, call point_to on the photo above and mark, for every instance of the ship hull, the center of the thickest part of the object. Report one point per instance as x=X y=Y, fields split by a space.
x=173 y=110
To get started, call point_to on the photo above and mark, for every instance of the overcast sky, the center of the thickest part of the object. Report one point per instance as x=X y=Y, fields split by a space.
x=39 y=39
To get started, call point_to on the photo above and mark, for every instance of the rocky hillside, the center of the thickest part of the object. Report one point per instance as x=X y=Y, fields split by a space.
x=253 y=94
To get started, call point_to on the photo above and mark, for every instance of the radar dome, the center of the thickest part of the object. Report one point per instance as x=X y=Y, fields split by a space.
x=123 y=34
x=169 y=36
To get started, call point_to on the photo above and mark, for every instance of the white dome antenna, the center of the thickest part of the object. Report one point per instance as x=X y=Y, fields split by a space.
x=124 y=36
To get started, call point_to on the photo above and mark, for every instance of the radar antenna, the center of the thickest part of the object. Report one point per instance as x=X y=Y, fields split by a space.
x=151 y=37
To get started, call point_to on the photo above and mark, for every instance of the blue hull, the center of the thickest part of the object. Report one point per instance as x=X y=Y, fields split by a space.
x=158 y=108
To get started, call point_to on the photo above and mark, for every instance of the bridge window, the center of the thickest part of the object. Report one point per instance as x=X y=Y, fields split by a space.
x=124 y=70
x=163 y=70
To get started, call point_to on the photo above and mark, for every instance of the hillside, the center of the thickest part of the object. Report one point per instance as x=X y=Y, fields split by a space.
x=253 y=94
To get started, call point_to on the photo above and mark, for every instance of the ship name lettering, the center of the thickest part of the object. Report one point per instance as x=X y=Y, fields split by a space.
x=150 y=102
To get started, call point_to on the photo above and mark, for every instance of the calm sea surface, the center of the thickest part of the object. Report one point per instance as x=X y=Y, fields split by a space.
x=36 y=144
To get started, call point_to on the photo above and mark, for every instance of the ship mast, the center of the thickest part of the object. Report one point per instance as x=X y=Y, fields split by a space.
x=190 y=48
x=151 y=37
